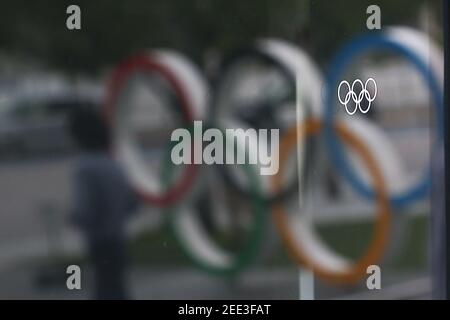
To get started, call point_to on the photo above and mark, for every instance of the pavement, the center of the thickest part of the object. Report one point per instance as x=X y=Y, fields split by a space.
x=31 y=191
x=25 y=282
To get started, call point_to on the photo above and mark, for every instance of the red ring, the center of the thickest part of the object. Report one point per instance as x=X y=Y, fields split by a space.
x=118 y=79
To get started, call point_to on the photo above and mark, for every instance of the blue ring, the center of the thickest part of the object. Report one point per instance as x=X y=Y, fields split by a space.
x=339 y=62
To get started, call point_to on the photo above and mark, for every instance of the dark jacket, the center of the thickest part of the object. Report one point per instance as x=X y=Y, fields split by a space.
x=103 y=198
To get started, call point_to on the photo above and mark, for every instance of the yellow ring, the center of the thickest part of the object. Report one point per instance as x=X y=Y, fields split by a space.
x=353 y=272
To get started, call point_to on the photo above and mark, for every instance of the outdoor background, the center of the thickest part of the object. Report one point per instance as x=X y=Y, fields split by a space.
x=40 y=59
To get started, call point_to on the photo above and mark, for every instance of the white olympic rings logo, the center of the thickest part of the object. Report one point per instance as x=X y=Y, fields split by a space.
x=357 y=98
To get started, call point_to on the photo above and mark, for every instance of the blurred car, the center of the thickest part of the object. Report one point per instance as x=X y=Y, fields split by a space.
x=33 y=117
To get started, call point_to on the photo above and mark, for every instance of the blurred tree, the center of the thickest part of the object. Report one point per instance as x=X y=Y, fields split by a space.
x=334 y=22
x=113 y=30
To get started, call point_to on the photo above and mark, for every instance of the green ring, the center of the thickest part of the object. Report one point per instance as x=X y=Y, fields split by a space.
x=253 y=243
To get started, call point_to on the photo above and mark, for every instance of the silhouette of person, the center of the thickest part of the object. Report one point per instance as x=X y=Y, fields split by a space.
x=103 y=202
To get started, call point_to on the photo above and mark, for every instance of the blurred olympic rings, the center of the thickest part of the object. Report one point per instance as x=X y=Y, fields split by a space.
x=304 y=246
x=201 y=249
x=123 y=145
x=390 y=41
x=281 y=61
x=179 y=194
